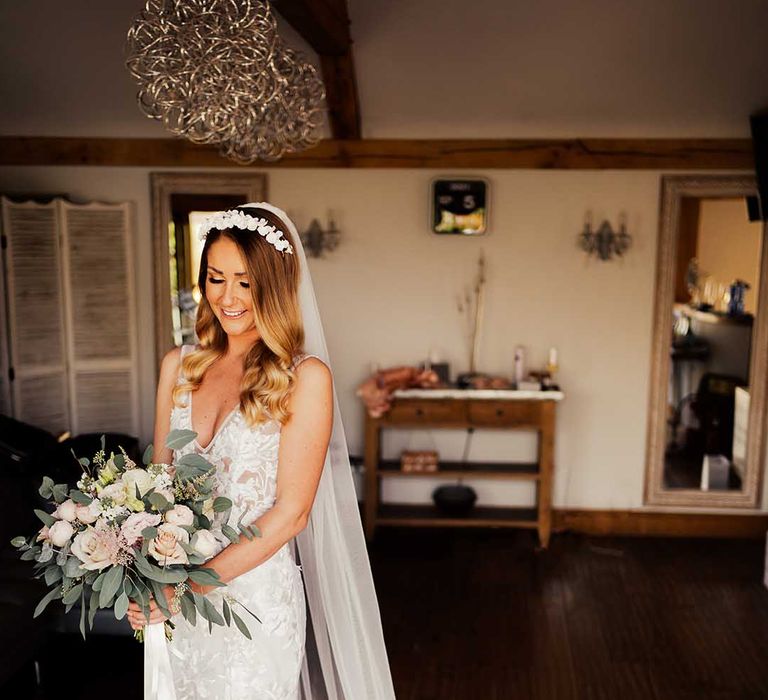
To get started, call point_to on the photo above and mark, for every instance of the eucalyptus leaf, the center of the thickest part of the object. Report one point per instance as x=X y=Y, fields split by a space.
x=200 y=605
x=72 y=567
x=159 y=595
x=195 y=460
x=52 y=574
x=188 y=610
x=63 y=555
x=227 y=614
x=84 y=461
x=205 y=577
x=159 y=501
x=19 y=541
x=80 y=497
x=241 y=625
x=110 y=585
x=60 y=492
x=46 y=518
x=46 y=553
x=119 y=460
x=103 y=443
x=93 y=606
x=214 y=615
x=99 y=581
x=149 y=533
x=179 y=438
x=82 y=614
x=147 y=457
x=30 y=554
x=73 y=594
x=230 y=533
x=221 y=503
x=53 y=594
x=46 y=488
x=244 y=529
x=121 y=606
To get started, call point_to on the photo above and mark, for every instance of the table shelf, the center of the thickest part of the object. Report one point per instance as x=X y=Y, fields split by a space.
x=463 y=470
x=417 y=515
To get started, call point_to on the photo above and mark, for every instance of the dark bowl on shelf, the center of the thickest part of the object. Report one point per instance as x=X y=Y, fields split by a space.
x=455 y=500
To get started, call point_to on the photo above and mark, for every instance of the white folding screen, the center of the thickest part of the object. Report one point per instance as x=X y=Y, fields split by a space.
x=72 y=320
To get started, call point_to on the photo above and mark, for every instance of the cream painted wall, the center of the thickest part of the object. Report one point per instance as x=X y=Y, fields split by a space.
x=388 y=295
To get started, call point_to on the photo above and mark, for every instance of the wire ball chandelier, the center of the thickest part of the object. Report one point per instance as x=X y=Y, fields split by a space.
x=217 y=72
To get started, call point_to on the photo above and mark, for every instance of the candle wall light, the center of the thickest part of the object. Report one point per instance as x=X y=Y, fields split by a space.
x=605 y=243
x=317 y=241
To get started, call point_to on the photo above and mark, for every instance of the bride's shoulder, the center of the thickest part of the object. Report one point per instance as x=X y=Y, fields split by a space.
x=304 y=360
x=169 y=366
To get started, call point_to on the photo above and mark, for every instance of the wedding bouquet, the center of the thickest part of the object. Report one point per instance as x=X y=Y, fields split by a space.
x=127 y=531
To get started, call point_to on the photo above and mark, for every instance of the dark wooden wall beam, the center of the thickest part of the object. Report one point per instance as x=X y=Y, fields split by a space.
x=324 y=24
x=658 y=524
x=578 y=154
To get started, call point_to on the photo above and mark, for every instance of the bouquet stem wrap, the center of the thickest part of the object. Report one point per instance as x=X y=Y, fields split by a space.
x=158 y=677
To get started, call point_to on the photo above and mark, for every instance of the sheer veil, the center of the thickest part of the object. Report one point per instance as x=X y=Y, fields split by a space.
x=345 y=654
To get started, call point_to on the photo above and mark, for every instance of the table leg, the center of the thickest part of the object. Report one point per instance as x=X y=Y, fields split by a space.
x=546 y=471
x=371 y=461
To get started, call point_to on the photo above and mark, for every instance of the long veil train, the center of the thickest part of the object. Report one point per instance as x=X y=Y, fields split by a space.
x=346 y=658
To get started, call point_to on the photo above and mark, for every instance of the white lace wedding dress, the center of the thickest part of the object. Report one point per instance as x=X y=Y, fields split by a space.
x=224 y=664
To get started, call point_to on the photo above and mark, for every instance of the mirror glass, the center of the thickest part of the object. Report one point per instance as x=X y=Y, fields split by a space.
x=184 y=248
x=717 y=279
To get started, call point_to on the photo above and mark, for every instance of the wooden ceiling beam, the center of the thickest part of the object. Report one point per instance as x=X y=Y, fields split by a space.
x=449 y=154
x=324 y=24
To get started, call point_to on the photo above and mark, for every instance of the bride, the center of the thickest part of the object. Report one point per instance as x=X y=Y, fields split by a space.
x=259 y=393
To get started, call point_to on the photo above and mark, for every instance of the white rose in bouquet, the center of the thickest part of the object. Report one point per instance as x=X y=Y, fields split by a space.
x=60 y=533
x=66 y=510
x=85 y=514
x=133 y=525
x=166 y=546
x=116 y=492
x=137 y=477
x=205 y=544
x=180 y=515
x=89 y=549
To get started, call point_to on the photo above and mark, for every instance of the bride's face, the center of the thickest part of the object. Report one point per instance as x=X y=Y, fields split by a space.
x=228 y=289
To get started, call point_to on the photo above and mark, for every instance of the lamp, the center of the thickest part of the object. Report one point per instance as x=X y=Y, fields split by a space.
x=217 y=71
x=605 y=242
x=317 y=241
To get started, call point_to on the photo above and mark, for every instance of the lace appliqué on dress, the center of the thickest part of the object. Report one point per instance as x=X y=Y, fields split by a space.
x=224 y=664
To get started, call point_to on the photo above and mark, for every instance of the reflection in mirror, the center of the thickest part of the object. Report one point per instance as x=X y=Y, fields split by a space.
x=184 y=248
x=717 y=280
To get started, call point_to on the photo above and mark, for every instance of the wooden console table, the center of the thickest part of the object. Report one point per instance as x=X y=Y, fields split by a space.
x=456 y=408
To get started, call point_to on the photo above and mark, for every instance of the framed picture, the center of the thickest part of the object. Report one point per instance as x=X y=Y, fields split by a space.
x=460 y=206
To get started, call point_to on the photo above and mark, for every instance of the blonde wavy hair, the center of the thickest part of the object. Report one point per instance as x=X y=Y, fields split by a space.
x=268 y=376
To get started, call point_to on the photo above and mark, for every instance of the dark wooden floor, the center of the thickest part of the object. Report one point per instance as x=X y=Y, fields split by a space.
x=482 y=615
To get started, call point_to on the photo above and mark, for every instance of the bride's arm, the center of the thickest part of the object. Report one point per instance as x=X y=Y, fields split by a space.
x=169 y=372
x=303 y=444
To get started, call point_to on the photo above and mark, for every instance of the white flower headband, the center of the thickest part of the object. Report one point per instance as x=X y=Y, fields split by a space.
x=239 y=219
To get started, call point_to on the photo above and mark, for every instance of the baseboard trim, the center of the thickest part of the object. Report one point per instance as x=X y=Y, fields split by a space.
x=645 y=523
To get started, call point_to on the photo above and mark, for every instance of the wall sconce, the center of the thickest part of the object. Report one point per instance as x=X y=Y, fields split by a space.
x=317 y=241
x=605 y=242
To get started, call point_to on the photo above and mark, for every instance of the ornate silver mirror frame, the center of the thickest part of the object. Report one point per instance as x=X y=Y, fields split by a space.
x=252 y=187
x=673 y=189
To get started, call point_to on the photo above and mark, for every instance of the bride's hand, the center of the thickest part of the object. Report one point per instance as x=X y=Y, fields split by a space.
x=136 y=617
